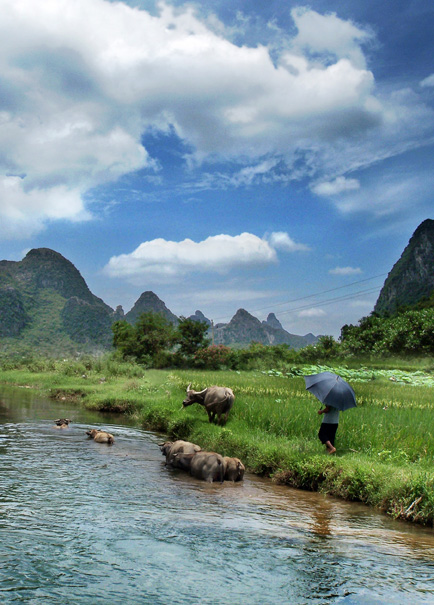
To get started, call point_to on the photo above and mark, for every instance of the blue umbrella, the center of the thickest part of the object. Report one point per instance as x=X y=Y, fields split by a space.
x=331 y=390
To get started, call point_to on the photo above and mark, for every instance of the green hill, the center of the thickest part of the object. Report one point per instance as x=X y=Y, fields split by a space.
x=45 y=305
x=411 y=279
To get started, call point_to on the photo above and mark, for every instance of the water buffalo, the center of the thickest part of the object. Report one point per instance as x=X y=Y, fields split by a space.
x=208 y=466
x=216 y=400
x=101 y=436
x=61 y=423
x=234 y=469
x=171 y=448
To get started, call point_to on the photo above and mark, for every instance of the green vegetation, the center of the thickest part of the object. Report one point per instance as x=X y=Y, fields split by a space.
x=385 y=445
x=154 y=341
x=407 y=332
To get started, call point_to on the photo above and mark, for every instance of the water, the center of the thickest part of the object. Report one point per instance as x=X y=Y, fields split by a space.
x=82 y=522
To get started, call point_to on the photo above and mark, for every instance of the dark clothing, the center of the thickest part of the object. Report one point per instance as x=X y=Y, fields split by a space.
x=327 y=432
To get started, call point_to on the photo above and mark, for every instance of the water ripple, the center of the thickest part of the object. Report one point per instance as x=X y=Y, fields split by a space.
x=83 y=522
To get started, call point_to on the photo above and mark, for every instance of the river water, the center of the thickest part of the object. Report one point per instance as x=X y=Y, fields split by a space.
x=82 y=522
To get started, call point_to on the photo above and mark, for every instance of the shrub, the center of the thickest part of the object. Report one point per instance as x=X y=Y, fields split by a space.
x=213 y=357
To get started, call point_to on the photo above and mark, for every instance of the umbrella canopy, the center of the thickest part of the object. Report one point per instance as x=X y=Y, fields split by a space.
x=331 y=390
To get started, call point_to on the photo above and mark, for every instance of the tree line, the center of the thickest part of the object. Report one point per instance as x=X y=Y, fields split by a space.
x=155 y=342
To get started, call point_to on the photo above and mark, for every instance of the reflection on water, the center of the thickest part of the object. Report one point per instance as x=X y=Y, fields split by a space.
x=82 y=522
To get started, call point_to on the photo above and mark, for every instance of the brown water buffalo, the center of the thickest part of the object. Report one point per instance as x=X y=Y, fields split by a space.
x=208 y=466
x=101 y=436
x=61 y=423
x=171 y=448
x=216 y=400
x=234 y=469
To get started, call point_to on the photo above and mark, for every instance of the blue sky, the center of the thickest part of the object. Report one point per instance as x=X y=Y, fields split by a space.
x=275 y=156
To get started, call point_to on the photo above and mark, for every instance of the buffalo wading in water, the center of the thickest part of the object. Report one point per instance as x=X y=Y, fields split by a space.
x=101 y=436
x=234 y=469
x=208 y=466
x=217 y=401
x=171 y=448
x=61 y=423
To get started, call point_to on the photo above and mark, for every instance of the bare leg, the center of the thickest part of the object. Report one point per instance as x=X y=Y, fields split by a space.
x=330 y=448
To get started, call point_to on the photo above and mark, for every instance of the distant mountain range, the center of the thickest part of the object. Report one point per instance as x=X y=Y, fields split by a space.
x=46 y=306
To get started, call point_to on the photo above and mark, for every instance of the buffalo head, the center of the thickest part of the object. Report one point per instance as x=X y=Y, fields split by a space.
x=193 y=396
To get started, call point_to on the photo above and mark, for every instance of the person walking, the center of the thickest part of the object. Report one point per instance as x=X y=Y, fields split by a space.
x=328 y=428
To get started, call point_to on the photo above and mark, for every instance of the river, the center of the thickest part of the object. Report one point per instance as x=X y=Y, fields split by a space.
x=82 y=522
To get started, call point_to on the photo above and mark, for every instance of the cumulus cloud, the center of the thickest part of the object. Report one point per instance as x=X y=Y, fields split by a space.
x=345 y=271
x=82 y=81
x=162 y=260
x=328 y=34
x=339 y=185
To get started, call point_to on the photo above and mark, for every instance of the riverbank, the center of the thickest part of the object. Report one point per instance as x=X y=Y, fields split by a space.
x=385 y=446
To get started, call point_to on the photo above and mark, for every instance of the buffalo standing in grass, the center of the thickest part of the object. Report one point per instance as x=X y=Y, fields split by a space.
x=217 y=401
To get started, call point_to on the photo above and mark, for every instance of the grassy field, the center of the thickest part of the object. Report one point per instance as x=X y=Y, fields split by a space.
x=385 y=446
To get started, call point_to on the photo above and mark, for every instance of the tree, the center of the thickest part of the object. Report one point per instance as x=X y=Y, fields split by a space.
x=151 y=334
x=191 y=336
x=124 y=338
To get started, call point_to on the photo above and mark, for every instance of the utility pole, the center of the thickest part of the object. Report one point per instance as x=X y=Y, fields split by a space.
x=212 y=331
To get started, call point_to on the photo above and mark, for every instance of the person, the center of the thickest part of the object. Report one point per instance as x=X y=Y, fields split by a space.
x=329 y=426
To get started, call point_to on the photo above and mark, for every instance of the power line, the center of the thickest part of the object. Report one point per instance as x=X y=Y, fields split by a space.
x=360 y=281
x=332 y=300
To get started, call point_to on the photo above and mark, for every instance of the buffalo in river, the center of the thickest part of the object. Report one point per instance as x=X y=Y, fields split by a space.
x=216 y=400
x=234 y=469
x=208 y=466
x=101 y=436
x=170 y=448
x=61 y=423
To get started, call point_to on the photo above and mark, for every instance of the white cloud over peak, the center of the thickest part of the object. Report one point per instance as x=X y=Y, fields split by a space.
x=345 y=271
x=162 y=260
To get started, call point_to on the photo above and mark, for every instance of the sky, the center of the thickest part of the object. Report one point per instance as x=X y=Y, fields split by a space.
x=274 y=156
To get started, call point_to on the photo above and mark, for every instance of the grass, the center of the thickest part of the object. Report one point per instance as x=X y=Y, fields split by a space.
x=385 y=446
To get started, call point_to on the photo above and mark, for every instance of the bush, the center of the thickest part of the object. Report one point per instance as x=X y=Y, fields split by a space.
x=214 y=357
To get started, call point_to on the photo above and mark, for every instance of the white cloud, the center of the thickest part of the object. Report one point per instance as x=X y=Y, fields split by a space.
x=24 y=212
x=339 y=185
x=82 y=81
x=328 y=34
x=250 y=174
x=162 y=260
x=313 y=312
x=280 y=240
x=345 y=271
x=394 y=192
x=428 y=82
